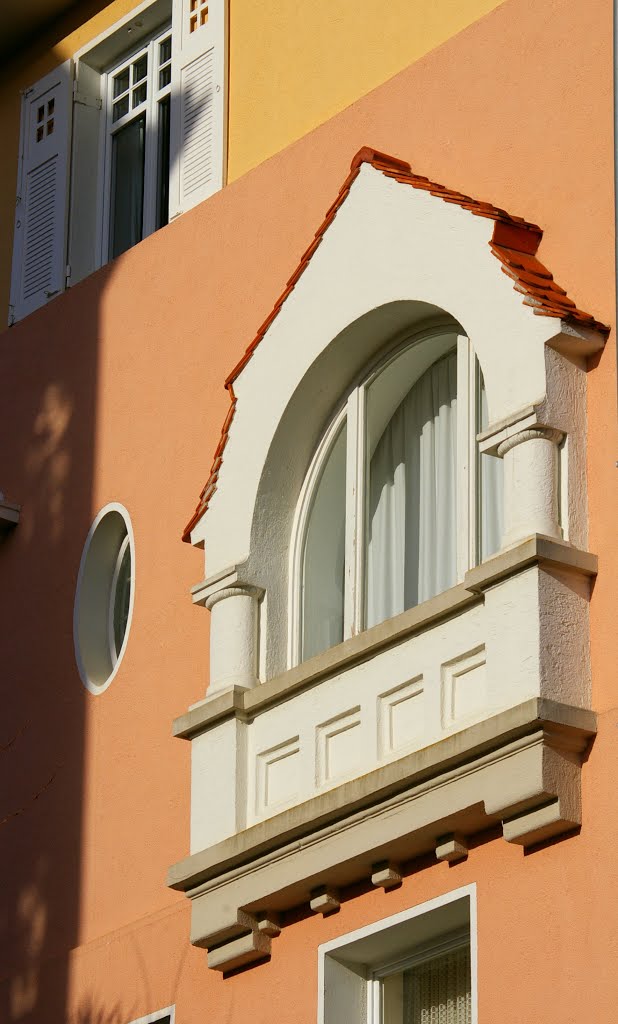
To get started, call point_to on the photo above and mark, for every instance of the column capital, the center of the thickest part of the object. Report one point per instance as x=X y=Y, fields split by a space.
x=530 y=434
x=229 y=583
x=238 y=590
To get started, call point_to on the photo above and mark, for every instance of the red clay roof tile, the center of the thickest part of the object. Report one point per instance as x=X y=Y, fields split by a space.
x=514 y=243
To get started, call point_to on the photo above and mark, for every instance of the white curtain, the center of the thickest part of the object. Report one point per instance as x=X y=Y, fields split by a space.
x=438 y=991
x=411 y=552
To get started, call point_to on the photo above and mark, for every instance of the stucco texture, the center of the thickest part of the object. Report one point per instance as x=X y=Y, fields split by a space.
x=114 y=392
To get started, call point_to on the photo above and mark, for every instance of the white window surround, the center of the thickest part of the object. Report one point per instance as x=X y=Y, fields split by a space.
x=97 y=656
x=469 y=711
x=158 y=1015
x=351 y=967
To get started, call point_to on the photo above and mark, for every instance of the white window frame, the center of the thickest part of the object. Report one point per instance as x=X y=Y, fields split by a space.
x=375 y=971
x=353 y=412
x=152 y=1018
x=149 y=108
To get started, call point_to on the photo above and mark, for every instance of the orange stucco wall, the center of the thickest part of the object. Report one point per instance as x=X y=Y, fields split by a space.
x=114 y=392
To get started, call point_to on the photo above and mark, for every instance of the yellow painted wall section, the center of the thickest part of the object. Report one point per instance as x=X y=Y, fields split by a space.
x=295 y=64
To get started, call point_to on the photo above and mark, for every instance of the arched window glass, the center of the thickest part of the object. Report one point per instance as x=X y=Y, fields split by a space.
x=400 y=504
x=323 y=556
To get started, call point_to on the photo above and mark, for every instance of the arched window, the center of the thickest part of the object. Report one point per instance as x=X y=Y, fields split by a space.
x=398 y=502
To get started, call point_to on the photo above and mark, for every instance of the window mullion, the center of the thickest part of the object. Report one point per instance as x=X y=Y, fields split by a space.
x=355 y=515
x=464 y=551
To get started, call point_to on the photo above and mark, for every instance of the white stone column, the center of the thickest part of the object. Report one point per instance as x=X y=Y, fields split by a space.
x=233 y=636
x=531 y=489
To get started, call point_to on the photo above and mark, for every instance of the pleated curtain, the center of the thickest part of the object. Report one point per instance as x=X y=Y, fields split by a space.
x=412 y=529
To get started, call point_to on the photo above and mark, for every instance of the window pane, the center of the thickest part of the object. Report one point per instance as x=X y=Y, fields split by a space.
x=165 y=50
x=439 y=990
x=139 y=95
x=122 y=598
x=121 y=82
x=323 y=557
x=120 y=108
x=127 y=193
x=411 y=522
x=140 y=69
x=491 y=486
x=163 y=162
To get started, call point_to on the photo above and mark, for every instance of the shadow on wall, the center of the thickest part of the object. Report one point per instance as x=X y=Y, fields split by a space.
x=47 y=422
x=48 y=383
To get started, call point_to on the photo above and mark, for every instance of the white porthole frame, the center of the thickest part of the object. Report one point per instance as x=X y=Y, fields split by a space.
x=81 y=657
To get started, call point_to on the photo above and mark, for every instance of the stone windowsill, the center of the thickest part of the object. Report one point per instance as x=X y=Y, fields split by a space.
x=518 y=769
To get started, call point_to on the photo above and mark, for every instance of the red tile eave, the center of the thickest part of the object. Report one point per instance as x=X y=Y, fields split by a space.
x=514 y=243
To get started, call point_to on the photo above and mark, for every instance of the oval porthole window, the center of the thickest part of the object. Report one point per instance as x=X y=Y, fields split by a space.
x=104 y=597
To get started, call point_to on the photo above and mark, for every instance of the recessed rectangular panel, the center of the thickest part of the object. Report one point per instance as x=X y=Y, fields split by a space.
x=464 y=687
x=338 y=747
x=277 y=773
x=401 y=716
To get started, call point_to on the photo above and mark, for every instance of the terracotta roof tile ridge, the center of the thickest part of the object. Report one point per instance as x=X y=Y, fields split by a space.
x=514 y=243
x=535 y=282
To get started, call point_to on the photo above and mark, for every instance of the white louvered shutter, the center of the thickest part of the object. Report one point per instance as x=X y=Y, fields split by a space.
x=198 y=101
x=41 y=213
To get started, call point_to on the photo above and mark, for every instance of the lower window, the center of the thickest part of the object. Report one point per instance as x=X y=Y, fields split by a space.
x=433 y=986
x=418 y=967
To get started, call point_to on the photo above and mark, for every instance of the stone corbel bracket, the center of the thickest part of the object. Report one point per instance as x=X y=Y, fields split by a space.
x=519 y=769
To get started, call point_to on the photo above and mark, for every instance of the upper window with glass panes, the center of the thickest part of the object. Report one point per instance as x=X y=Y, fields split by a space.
x=117 y=141
x=138 y=144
